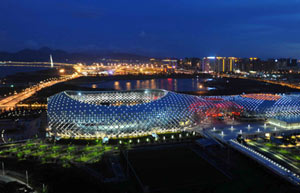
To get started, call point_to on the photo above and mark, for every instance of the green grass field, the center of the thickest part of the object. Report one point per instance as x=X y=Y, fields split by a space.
x=47 y=152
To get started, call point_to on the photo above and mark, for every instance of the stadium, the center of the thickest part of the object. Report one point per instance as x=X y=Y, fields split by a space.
x=118 y=113
x=114 y=114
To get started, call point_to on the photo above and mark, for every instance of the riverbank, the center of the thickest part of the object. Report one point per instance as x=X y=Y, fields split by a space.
x=93 y=79
x=222 y=86
x=236 y=86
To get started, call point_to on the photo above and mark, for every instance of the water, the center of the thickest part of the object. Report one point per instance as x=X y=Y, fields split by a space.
x=10 y=70
x=172 y=84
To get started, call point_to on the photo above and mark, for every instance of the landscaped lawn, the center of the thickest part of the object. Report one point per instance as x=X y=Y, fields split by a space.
x=47 y=151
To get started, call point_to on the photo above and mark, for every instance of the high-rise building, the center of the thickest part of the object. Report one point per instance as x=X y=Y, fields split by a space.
x=219 y=64
x=190 y=63
x=208 y=64
x=286 y=63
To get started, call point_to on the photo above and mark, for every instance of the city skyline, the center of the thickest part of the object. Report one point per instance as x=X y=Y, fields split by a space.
x=265 y=29
x=149 y=96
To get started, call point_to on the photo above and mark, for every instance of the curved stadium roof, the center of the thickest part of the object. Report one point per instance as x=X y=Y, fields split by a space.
x=97 y=114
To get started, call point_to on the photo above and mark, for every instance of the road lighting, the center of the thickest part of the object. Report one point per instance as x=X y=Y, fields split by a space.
x=62 y=70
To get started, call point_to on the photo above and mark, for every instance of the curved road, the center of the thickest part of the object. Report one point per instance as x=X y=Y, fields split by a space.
x=11 y=101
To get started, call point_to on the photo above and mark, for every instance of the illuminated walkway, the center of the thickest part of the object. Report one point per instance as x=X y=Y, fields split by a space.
x=227 y=134
x=268 y=163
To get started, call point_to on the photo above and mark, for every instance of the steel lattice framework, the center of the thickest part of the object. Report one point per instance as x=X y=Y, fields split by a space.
x=115 y=113
x=90 y=114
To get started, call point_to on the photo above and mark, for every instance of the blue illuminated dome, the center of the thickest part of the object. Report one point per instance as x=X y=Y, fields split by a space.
x=90 y=114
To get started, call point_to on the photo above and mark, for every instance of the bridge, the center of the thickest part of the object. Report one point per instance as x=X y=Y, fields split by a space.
x=33 y=64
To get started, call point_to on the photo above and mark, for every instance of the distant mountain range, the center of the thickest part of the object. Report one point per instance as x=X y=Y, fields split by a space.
x=42 y=55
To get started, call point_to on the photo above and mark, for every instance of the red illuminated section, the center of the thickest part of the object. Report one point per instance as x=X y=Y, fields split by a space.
x=216 y=107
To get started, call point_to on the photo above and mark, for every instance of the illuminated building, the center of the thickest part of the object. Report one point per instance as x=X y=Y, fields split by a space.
x=97 y=114
x=170 y=62
x=209 y=64
x=190 y=63
x=219 y=64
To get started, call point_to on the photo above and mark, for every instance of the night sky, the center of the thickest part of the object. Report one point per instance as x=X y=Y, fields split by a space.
x=178 y=28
